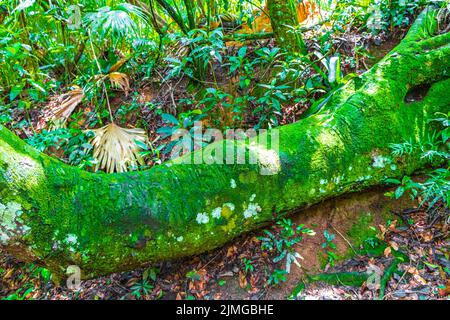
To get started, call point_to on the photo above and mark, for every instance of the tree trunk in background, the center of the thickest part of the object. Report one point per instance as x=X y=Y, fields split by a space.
x=284 y=20
x=57 y=215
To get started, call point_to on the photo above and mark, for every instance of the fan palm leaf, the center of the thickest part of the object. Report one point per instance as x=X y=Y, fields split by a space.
x=115 y=148
x=116 y=20
x=61 y=108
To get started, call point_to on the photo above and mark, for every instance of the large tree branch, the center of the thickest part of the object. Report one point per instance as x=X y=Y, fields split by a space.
x=58 y=215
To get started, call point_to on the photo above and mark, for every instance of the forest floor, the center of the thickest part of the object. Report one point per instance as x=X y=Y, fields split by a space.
x=241 y=269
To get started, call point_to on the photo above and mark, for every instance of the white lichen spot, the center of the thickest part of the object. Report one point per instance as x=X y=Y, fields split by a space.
x=217 y=213
x=233 y=184
x=322 y=181
x=312 y=191
x=72 y=242
x=180 y=239
x=364 y=178
x=10 y=222
x=252 y=197
x=56 y=245
x=393 y=167
x=230 y=205
x=202 y=218
x=71 y=239
x=380 y=161
x=252 y=210
x=350 y=168
x=321 y=190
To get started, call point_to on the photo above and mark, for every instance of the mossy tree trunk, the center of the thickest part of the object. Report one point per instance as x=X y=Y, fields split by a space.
x=58 y=215
x=284 y=20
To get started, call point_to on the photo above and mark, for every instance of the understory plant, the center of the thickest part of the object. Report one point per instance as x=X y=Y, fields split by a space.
x=329 y=247
x=283 y=243
x=435 y=190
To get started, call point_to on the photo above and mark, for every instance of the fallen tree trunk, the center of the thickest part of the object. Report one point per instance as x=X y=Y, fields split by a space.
x=58 y=215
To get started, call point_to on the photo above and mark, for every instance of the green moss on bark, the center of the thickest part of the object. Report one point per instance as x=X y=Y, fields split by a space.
x=284 y=20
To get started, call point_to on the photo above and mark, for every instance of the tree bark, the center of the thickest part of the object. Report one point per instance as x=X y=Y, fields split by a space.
x=57 y=215
x=285 y=25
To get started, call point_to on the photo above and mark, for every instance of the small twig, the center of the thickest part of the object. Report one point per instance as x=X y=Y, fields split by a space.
x=348 y=242
x=103 y=81
x=211 y=260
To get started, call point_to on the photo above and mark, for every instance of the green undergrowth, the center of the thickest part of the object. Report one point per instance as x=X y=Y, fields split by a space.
x=363 y=236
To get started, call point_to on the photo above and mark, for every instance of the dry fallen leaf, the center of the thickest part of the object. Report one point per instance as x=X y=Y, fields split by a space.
x=387 y=251
x=420 y=279
x=445 y=291
x=120 y=80
x=392 y=225
x=383 y=230
x=61 y=108
x=117 y=65
x=394 y=245
x=412 y=270
x=427 y=236
x=231 y=251
x=242 y=280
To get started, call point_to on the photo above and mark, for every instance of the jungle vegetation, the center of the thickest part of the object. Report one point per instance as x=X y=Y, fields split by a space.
x=92 y=94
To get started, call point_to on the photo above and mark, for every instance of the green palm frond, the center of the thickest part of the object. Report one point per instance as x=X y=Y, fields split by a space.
x=119 y=20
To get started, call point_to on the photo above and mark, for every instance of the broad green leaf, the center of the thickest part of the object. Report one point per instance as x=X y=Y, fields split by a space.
x=170 y=118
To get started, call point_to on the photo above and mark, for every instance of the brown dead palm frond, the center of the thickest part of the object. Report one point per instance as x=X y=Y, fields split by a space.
x=60 y=108
x=115 y=148
x=69 y=102
x=120 y=80
x=116 y=66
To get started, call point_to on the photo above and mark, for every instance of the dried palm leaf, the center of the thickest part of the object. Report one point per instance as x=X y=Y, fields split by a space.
x=120 y=81
x=59 y=109
x=69 y=102
x=117 y=65
x=116 y=148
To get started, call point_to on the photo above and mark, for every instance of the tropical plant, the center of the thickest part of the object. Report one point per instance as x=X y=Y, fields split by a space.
x=434 y=150
x=330 y=247
x=142 y=288
x=116 y=22
x=284 y=242
x=116 y=149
